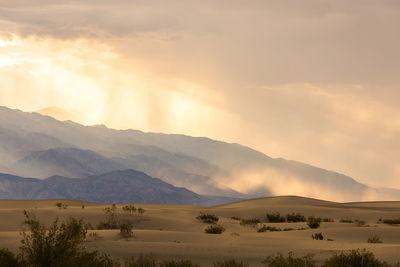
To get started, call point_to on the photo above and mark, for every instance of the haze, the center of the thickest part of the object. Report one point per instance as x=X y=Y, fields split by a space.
x=314 y=81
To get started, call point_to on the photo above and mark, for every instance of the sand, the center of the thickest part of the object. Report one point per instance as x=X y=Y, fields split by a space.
x=172 y=231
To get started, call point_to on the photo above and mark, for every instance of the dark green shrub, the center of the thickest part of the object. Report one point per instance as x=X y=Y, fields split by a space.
x=250 y=222
x=357 y=258
x=214 y=229
x=268 y=228
x=313 y=222
x=231 y=263
x=8 y=259
x=275 y=217
x=295 y=217
x=359 y=223
x=60 y=245
x=317 y=236
x=178 y=263
x=328 y=220
x=391 y=221
x=141 y=261
x=207 y=218
x=346 y=221
x=374 y=239
x=126 y=229
x=290 y=261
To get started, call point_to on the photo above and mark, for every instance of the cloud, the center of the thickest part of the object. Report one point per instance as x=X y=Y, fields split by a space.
x=316 y=81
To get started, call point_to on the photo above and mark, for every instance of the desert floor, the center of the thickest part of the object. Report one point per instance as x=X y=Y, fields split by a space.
x=172 y=231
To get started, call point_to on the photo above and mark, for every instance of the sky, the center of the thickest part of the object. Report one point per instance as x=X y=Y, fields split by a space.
x=315 y=81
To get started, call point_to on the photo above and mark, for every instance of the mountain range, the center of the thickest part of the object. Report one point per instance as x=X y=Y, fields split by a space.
x=38 y=146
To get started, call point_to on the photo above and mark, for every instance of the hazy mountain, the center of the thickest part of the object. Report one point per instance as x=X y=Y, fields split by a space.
x=70 y=162
x=126 y=186
x=200 y=164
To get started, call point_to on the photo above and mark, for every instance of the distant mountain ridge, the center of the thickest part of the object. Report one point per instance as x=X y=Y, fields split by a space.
x=200 y=164
x=125 y=186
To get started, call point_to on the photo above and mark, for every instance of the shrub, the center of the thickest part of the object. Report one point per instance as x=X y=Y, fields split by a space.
x=328 y=220
x=129 y=208
x=60 y=245
x=317 y=236
x=141 y=261
x=235 y=218
x=275 y=217
x=231 y=263
x=59 y=205
x=346 y=221
x=178 y=263
x=125 y=229
x=207 y=218
x=214 y=229
x=251 y=222
x=313 y=222
x=359 y=223
x=357 y=258
x=295 y=217
x=374 y=239
x=391 y=221
x=141 y=211
x=290 y=261
x=268 y=228
x=8 y=259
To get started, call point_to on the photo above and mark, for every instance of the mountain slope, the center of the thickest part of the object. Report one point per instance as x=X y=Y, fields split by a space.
x=128 y=186
x=229 y=166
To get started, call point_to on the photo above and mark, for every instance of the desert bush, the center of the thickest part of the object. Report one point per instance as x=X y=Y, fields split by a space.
x=295 y=217
x=235 y=218
x=59 y=205
x=290 y=261
x=313 y=222
x=59 y=245
x=275 y=217
x=129 y=209
x=288 y=229
x=250 y=222
x=231 y=263
x=207 y=218
x=214 y=229
x=328 y=220
x=265 y=228
x=317 y=236
x=359 y=223
x=111 y=219
x=141 y=261
x=374 y=239
x=178 y=263
x=126 y=229
x=358 y=258
x=8 y=259
x=391 y=221
x=346 y=221
x=141 y=211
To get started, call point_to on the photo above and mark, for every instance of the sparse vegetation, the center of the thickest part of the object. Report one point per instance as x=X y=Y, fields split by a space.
x=295 y=217
x=313 y=222
x=58 y=245
x=359 y=258
x=207 y=218
x=235 y=218
x=328 y=220
x=275 y=217
x=231 y=263
x=374 y=239
x=391 y=221
x=126 y=229
x=359 y=223
x=214 y=229
x=346 y=221
x=61 y=205
x=317 y=236
x=250 y=222
x=290 y=261
x=178 y=263
x=265 y=228
x=141 y=261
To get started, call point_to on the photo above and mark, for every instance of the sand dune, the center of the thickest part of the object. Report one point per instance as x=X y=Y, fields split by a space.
x=171 y=231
